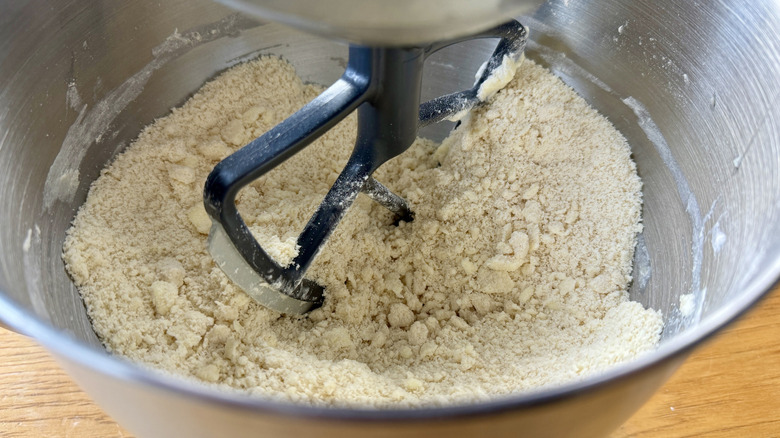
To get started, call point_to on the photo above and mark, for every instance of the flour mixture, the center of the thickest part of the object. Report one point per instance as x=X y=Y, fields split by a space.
x=512 y=276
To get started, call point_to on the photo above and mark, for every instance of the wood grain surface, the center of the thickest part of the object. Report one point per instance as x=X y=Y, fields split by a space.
x=730 y=387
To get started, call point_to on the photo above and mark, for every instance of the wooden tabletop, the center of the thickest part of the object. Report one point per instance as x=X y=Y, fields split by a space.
x=729 y=388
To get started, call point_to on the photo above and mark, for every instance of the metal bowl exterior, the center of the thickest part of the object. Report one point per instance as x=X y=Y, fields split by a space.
x=693 y=88
x=586 y=412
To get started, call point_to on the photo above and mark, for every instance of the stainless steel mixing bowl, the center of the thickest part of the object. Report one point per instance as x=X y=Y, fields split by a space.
x=694 y=88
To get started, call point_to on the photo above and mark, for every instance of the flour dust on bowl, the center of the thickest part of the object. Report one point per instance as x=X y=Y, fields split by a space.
x=694 y=96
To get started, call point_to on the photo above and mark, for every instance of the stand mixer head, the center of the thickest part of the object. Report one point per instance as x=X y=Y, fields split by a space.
x=383 y=83
x=391 y=24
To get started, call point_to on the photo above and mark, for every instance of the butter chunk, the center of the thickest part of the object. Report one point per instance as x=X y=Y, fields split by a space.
x=233 y=133
x=182 y=174
x=418 y=333
x=199 y=218
x=494 y=282
x=209 y=373
x=171 y=271
x=400 y=315
x=214 y=150
x=164 y=296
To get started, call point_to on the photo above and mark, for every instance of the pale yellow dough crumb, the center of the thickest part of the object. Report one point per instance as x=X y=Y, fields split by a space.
x=512 y=276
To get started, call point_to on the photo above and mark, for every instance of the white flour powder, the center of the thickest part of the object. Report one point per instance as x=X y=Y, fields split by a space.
x=512 y=276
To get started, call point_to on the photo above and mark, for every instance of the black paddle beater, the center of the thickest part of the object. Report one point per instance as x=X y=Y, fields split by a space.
x=383 y=84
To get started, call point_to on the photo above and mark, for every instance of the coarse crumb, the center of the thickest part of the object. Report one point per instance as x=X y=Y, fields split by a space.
x=512 y=276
